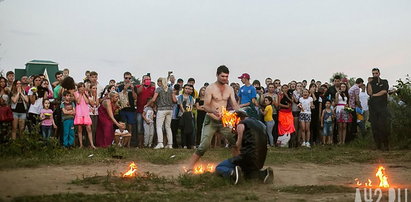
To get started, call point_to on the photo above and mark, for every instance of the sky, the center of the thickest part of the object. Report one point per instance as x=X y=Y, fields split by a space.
x=289 y=40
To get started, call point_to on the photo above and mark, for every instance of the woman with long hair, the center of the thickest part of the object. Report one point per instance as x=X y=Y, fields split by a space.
x=19 y=104
x=164 y=98
x=343 y=116
x=200 y=113
x=4 y=102
x=105 y=131
x=36 y=96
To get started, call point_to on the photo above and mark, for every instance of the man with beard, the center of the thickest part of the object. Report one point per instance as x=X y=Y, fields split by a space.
x=217 y=95
x=377 y=89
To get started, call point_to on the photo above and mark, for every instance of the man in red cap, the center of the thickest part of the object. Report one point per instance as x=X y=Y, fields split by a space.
x=144 y=91
x=247 y=93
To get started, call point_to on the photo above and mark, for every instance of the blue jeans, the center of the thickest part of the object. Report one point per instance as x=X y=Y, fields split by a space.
x=68 y=134
x=225 y=168
x=270 y=126
x=46 y=131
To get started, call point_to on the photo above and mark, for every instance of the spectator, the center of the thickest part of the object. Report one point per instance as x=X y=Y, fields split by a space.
x=164 y=98
x=377 y=89
x=19 y=105
x=105 y=131
x=144 y=92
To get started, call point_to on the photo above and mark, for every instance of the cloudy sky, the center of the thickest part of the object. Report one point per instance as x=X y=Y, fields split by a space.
x=273 y=38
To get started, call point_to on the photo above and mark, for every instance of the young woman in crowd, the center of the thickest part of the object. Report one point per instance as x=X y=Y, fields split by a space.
x=19 y=104
x=200 y=113
x=285 y=119
x=164 y=98
x=315 y=115
x=305 y=104
x=36 y=95
x=343 y=116
x=105 y=131
x=297 y=94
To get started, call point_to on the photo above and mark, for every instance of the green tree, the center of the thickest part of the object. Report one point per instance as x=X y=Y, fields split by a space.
x=341 y=74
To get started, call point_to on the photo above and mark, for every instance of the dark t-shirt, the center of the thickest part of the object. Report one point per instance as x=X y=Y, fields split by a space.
x=253 y=146
x=330 y=94
x=376 y=86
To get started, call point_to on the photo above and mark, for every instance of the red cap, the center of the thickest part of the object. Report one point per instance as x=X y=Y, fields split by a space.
x=245 y=75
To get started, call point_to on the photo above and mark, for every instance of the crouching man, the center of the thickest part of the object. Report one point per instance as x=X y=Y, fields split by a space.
x=250 y=155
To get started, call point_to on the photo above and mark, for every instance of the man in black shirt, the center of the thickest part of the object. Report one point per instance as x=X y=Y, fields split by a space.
x=377 y=89
x=251 y=152
x=330 y=94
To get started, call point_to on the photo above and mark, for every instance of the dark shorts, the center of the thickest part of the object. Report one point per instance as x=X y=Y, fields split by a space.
x=296 y=114
x=128 y=117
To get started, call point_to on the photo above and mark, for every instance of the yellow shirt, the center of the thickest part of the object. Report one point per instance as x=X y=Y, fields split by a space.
x=268 y=113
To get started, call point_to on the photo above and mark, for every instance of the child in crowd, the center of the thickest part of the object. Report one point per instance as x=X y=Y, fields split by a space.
x=47 y=121
x=122 y=137
x=343 y=116
x=82 y=117
x=69 y=110
x=327 y=117
x=148 y=116
x=268 y=118
x=297 y=93
x=306 y=104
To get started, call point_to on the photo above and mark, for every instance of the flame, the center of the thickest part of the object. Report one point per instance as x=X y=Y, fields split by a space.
x=132 y=172
x=201 y=169
x=229 y=119
x=381 y=176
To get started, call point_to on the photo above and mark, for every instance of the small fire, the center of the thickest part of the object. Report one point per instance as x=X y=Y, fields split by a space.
x=381 y=176
x=201 y=169
x=229 y=119
x=132 y=172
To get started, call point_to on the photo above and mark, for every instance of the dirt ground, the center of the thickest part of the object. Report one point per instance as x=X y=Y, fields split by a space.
x=56 y=179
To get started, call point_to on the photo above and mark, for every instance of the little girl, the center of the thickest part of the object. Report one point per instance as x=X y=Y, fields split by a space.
x=268 y=118
x=148 y=116
x=82 y=117
x=327 y=117
x=306 y=104
x=46 y=117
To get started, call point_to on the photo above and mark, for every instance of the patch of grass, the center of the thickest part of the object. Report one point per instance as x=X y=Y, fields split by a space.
x=316 y=189
x=205 y=181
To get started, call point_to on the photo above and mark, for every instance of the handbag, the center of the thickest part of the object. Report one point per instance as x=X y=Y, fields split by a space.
x=6 y=115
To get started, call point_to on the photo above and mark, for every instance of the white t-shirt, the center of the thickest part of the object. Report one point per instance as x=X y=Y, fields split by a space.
x=306 y=104
x=364 y=100
x=37 y=106
x=149 y=114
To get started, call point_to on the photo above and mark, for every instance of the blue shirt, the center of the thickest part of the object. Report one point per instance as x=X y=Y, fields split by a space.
x=246 y=94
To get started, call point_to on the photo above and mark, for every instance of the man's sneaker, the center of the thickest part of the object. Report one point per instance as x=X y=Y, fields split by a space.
x=303 y=144
x=269 y=177
x=236 y=175
x=307 y=144
x=159 y=146
x=169 y=146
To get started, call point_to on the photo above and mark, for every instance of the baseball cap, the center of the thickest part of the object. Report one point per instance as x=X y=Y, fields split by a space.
x=245 y=75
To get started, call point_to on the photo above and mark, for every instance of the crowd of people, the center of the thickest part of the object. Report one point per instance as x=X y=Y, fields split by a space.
x=171 y=113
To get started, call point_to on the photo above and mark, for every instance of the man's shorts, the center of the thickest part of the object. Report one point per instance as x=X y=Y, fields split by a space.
x=128 y=117
x=210 y=127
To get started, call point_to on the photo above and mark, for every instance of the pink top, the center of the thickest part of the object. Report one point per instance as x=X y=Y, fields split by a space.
x=82 y=107
x=47 y=122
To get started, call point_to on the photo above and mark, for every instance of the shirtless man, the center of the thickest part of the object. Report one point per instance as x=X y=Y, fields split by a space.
x=217 y=95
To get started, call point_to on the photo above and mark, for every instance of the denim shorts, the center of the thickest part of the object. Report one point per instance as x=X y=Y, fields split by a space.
x=328 y=129
x=128 y=117
x=17 y=115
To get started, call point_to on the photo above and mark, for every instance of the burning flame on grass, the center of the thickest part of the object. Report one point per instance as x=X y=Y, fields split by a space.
x=202 y=168
x=132 y=172
x=229 y=119
x=382 y=177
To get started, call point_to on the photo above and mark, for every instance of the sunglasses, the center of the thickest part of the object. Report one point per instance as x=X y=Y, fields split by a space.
x=127 y=78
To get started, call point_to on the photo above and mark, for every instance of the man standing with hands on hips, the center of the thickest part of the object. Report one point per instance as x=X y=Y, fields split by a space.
x=377 y=89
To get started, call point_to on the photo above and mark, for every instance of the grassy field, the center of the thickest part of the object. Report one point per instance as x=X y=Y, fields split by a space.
x=206 y=187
